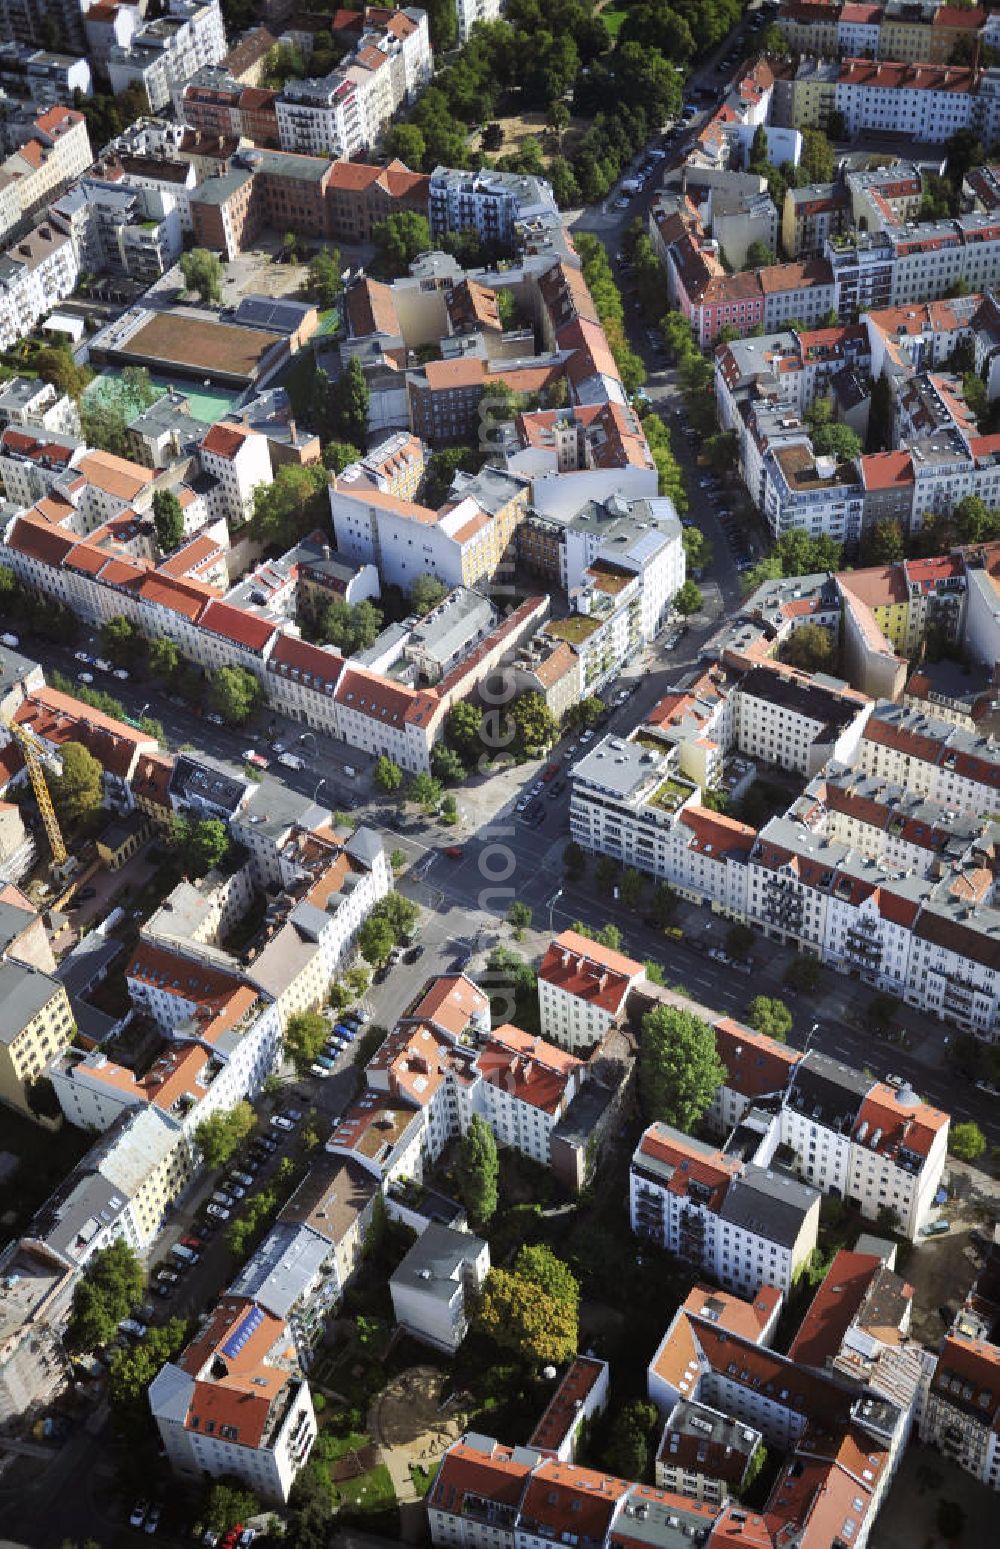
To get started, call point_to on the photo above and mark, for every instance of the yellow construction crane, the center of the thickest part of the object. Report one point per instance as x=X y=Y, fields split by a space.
x=36 y=755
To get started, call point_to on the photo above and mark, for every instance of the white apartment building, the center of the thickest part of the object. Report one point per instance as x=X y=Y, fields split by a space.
x=349 y=110
x=432 y=1288
x=30 y=401
x=955 y=769
x=165 y=53
x=234 y=1404
x=742 y=1224
x=582 y=988
x=492 y=203
x=472 y=11
x=33 y=460
x=238 y=460
x=798 y=722
x=36 y=273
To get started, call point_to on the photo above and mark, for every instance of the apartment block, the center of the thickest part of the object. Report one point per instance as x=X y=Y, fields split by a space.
x=36 y=273
x=234 y=1403
x=305 y=1263
x=434 y=1285
x=493 y=204
x=55 y=150
x=237 y=462
x=582 y=988
x=37 y=1026
x=742 y=1224
x=42 y=76
x=164 y=54
x=962 y=1411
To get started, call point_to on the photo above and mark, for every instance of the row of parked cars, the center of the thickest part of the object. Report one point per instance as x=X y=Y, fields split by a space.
x=344 y=1029
x=86 y=660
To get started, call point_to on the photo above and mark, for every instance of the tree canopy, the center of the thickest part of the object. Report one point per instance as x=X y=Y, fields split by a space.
x=290 y=506
x=810 y=648
x=477 y=1169
x=202 y=843
x=399 y=239
x=168 y=519
x=106 y=411
x=348 y=401
x=220 y=1136
x=306 y=1033
x=76 y=791
x=770 y=1016
x=679 y=1067
x=235 y=693
x=532 y=1309
x=111 y=1288
x=350 y=626
x=202 y=273
x=966 y=1141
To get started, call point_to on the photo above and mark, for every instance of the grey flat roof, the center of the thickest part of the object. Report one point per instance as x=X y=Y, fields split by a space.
x=283 y=1268
x=23 y=993
x=435 y=1260
x=621 y=768
x=769 y=1203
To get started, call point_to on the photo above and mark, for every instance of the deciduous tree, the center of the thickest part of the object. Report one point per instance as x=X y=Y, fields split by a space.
x=235 y=693
x=770 y=1016
x=388 y=776
x=810 y=648
x=202 y=273
x=111 y=1288
x=532 y=1309
x=168 y=519
x=305 y=1034
x=77 y=790
x=220 y=1136
x=966 y=1141
x=679 y=1068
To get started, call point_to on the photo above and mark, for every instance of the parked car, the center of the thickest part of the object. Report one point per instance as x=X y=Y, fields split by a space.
x=163 y=1290
x=153 y=1519
x=246 y=1538
x=935 y=1229
x=278 y=1121
x=101 y=664
x=167 y=1276
x=219 y=1212
x=82 y=656
x=122 y=676
x=988 y=1088
x=243 y=1178
x=85 y=677
x=137 y=1516
x=414 y=954
x=454 y=852
x=319 y=1071
x=131 y=1326
x=587 y=736
x=215 y=718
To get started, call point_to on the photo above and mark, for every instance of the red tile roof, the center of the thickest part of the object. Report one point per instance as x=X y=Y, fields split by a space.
x=755 y=1064
x=237 y=625
x=834 y=1307
x=225 y=440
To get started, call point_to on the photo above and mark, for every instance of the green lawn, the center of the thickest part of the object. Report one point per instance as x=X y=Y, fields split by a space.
x=612 y=20
x=421 y=1478
x=369 y=1492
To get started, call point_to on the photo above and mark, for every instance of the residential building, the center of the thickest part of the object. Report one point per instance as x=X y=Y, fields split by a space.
x=44 y=77
x=582 y=988
x=493 y=204
x=471 y=12
x=164 y=54
x=433 y=1286
x=236 y=461
x=37 y=1027
x=743 y=1224
x=55 y=150
x=963 y=1402
x=234 y=1403
x=36 y=273
x=580 y=1398
x=30 y=401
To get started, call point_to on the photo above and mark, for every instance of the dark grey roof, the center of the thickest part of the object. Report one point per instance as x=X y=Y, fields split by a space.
x=87 y=962
x=13 y=669
x=364 y=846
x=266 y=312
x=205 y=782
x=814 y=700
x=12 y=922
x=23 y=993
x=584 y=1114
x=769 y=1203
x=831 y=1093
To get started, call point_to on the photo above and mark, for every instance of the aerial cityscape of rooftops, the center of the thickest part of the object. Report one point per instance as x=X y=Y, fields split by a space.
x=500 y=774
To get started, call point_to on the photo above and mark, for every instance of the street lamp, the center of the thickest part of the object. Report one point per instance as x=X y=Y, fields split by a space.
x=142 y=712
x=552 y=903
x=319 y=787
x=810 y=1035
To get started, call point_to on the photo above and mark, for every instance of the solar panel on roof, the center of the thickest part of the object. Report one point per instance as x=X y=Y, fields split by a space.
x=242 y=1332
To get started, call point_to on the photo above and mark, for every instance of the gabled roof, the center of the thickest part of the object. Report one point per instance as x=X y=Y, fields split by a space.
x=237 y=625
